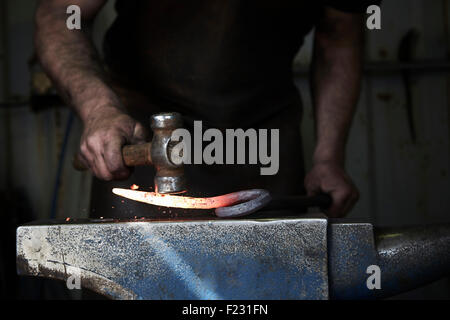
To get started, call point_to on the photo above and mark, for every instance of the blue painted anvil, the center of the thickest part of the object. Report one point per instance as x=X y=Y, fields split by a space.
x=285 y=258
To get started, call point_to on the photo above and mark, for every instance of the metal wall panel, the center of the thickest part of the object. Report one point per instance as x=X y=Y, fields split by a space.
x=37 y=137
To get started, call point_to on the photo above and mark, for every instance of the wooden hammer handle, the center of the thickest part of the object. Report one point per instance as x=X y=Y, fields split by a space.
x=133 y=155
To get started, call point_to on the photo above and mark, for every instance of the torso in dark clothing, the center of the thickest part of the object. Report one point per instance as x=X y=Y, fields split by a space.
x=226 y=62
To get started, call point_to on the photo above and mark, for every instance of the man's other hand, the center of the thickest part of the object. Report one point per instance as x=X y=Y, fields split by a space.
x=104 y=135
x=330 y=177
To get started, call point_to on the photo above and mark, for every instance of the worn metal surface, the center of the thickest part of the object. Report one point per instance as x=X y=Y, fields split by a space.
x=408 y=258
x=169 y=176
x=215 y=259
x=351 y=250
x=253 y=201
x=413 y=256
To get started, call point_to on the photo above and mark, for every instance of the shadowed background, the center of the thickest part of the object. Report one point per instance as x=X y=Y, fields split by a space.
x=399 y=159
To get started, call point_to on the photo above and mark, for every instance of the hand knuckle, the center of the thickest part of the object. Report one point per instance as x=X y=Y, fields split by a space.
x=113 y=159
x=91 y=141
x=84 y=148
x=115 y=167
x=112 y=132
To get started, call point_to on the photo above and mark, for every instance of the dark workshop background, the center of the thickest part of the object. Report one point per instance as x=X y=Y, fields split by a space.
x=402 y=180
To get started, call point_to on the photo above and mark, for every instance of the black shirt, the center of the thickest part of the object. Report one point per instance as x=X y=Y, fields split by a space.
x=226 y=62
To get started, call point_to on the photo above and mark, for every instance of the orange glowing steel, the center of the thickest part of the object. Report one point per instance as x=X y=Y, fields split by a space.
x=134 y=187
x=178 y=201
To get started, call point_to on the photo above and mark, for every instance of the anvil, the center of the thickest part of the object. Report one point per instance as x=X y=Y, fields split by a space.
x=284 y=258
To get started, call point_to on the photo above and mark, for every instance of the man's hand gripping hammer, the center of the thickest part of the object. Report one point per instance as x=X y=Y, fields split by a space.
x=169 y=177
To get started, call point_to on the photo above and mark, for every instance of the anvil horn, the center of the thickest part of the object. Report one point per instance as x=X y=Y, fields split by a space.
x=407 y=257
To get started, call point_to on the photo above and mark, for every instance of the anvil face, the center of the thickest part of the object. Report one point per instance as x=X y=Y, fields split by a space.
x=213 y=259
x=285 y=258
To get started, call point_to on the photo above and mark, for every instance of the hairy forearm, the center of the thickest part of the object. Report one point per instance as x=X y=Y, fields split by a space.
x=336 y=82
x=70 y=59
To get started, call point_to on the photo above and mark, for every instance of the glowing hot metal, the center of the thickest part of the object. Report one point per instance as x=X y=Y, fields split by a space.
x=229 y=205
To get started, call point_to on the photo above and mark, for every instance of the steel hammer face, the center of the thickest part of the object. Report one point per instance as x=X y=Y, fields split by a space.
x=169 y=176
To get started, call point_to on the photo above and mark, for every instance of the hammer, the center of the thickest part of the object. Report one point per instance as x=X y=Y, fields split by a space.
x=169 y=177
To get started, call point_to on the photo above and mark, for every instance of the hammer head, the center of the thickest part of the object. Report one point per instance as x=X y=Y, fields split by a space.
x=169 y=176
